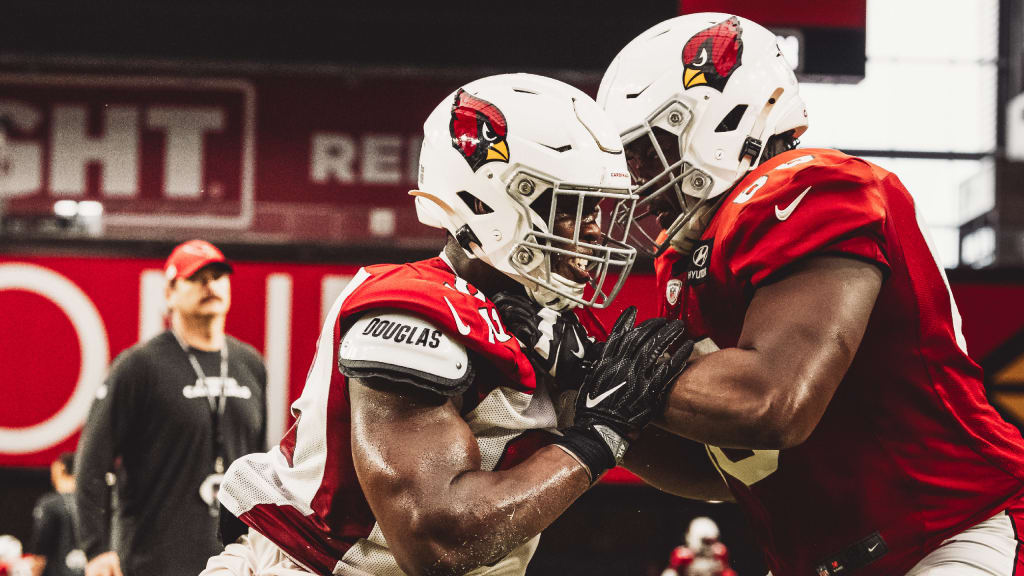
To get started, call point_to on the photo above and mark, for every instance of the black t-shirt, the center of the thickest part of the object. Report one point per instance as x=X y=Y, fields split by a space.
x=154 y=413
x=53 y=536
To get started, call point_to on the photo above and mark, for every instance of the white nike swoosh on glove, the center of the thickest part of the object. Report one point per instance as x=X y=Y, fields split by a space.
x=591 y=402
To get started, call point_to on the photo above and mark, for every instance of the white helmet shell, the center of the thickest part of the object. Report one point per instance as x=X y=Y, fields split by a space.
x=701 y=532
x=507 y=141
x=10 y=548
x=716 y=81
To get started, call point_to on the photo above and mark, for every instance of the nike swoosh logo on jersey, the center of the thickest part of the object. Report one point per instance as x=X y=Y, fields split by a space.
x=591 y=402
x=578 y=352
x=872 y=548
x=463 y=329
x=785 y=213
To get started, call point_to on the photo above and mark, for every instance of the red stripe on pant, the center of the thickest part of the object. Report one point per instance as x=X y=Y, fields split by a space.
x=1016 y=514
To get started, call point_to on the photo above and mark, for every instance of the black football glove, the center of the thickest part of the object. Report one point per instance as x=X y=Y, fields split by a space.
x=556 y=343
x=626 y=388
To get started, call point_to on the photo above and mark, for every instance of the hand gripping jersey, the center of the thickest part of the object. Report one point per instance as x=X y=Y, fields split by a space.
x=304 y=496
x=909 y=452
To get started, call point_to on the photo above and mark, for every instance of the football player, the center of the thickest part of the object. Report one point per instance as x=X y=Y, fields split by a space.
x=835 y=397
x=424 y=442
x=842 y=410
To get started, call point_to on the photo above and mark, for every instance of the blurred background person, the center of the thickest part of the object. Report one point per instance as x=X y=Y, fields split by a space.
x=701 y=554
x=53 y=548
x=12 y=562
x=176 y=410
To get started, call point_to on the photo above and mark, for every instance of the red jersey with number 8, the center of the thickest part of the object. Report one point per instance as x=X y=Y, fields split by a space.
x=909 y=451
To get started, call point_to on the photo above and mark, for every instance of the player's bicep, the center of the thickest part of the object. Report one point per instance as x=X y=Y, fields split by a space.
x=822 y=299
x=408 y=445
x=806 y=328
x=408 y=439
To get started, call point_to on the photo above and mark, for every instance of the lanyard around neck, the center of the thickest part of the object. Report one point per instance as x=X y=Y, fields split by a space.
x=217 y=403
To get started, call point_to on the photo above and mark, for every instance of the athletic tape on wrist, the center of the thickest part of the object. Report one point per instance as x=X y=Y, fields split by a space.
x=590 y=448
x=577 y=459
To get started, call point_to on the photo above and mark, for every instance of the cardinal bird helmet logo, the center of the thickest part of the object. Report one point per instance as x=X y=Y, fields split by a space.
x=712 y=55
x=478 y=130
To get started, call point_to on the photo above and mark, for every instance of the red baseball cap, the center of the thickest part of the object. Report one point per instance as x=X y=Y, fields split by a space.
x=188 y=257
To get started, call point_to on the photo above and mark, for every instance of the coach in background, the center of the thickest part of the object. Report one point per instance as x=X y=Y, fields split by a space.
x=174 y=412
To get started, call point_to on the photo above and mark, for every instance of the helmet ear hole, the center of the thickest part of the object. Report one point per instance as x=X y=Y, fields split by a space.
x=732 y=119
x=475 y=204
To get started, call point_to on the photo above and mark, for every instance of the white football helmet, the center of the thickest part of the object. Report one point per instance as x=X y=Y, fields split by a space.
x=697 y=97
x=501 y=157
x=702 y=533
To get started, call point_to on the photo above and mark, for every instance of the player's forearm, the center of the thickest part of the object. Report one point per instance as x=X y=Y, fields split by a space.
x=799 y=336
x=728 y=399
x=483 y=516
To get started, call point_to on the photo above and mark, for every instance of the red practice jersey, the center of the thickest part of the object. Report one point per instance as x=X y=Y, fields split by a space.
x=909 y=451
x=304 y=495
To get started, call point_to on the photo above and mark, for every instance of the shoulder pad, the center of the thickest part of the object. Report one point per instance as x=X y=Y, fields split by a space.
x=400 y=346
x=814 y=202
x=774 y=182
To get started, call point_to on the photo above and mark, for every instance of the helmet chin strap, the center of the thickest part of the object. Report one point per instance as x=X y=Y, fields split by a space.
x=550 y=299
x=751 y=157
